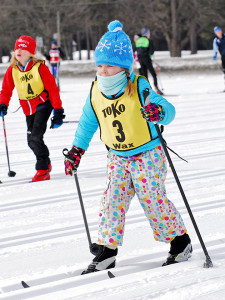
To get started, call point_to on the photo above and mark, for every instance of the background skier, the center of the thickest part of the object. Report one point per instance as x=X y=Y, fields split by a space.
x=54 y=56
x=219 y=44
x=38 y=94
x=145 y=50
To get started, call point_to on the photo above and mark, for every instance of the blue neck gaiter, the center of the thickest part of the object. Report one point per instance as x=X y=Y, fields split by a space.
x=111 y=85
x=23 y=67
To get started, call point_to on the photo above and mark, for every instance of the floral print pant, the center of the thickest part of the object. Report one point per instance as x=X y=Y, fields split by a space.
x=143 y=175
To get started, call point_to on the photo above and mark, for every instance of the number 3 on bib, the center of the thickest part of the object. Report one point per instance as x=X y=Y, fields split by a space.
x=119 y=126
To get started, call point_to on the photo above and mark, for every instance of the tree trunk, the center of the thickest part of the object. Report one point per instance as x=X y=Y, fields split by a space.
x=0 y=55
x=93 y=38
x=175 y=50
x=79 y=44
x=87 y=40
x=71 y=46
x=193 y=38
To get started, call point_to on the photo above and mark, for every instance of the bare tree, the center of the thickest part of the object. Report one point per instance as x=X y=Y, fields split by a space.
x=181 y=24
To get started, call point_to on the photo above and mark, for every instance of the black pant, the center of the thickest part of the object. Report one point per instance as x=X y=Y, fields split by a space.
x=36 y=127
x=223 y=63
x=146 y=64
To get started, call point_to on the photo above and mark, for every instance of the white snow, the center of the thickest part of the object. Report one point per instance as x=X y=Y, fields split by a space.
x=42 y=234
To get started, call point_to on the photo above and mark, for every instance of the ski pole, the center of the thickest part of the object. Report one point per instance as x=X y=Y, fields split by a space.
x=208 y=262
x=157 y=71
x=83 y=210
x=93 y=246
x=10 y=173
x=70 y=121
x=57 y=75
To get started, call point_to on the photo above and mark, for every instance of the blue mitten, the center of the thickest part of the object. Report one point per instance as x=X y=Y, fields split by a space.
x=57 y=119
x=3 y=110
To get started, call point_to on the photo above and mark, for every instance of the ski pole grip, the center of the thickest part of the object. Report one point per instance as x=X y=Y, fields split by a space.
x=146 y=96
x=65 y=150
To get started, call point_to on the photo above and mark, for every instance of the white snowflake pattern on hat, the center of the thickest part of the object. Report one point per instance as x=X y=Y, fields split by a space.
x=102 y=45
x=121 y=48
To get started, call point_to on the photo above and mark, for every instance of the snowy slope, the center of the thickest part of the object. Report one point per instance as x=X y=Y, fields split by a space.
x=42 y=236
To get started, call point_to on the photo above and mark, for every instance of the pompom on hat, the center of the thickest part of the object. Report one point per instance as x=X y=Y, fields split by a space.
x=114 y=48
x=26 y=42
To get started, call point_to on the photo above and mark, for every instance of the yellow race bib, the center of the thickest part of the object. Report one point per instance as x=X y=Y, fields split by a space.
x=29 y=84
x=121 y=123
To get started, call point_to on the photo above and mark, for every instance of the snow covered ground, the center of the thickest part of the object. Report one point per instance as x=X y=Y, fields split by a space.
x=42 y=235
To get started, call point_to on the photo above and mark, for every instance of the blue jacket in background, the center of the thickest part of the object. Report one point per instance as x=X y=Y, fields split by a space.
x=219 y=44
x=88 y=123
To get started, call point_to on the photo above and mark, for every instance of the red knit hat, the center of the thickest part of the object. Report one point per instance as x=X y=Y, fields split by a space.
x=26 y=42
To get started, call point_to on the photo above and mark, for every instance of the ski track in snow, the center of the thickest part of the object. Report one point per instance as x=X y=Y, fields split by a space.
x=43 y=239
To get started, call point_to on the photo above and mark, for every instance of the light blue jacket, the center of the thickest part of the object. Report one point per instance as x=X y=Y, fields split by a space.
x=219 y=45
x=215 y=47
x=88 y=123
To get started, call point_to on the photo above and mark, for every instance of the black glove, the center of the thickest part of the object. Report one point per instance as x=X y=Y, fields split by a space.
x=3 y=110
x=57 y=119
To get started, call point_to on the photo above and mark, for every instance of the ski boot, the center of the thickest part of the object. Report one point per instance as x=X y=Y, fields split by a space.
x=158 y=91
x=49 y=167
x=180 y=250
x=41 y=175
x=224 y=77
x=105 y=259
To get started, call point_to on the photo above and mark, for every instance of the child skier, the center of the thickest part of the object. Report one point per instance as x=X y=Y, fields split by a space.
x=38 y=94
x=136 y=161
x=54 y=56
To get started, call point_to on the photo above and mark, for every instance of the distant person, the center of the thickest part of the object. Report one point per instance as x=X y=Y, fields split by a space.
x=145 y=50
x=54 y=56
x=136 y=62
x=219 y=44
x=38 y=95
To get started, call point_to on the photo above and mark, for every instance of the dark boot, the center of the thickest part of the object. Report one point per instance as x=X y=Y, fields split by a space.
x=158 y=91
x=180 y=250
x=105 y=259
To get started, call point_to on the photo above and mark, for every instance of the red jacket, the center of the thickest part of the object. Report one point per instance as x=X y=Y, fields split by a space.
x=51 y=91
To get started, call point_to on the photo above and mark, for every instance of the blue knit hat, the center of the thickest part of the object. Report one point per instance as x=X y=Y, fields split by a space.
x=216 y=29
x=114 y=47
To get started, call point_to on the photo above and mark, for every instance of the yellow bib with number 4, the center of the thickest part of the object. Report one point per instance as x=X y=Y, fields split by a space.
x=29 y=84
x=120 y=120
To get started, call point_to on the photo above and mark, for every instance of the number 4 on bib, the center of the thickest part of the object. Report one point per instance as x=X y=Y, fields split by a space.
x=29 y=89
